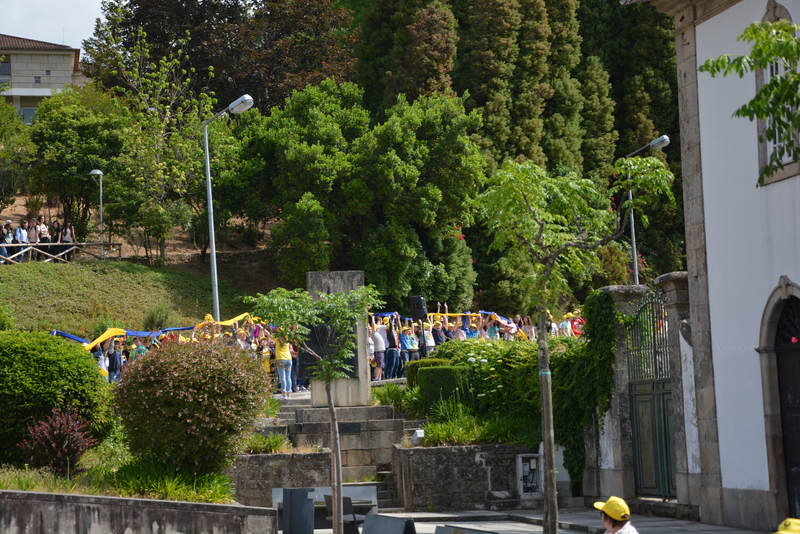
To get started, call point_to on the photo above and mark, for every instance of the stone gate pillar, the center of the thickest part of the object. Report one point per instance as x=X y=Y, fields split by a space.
x=609 y=446
x=684 y=400
x=346 y=391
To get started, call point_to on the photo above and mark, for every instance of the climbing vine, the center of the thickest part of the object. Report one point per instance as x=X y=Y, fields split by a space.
x=583 y=380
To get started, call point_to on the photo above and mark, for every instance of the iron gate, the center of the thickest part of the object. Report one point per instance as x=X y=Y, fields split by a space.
x=650 y=384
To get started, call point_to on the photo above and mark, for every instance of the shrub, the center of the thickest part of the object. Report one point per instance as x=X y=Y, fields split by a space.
x=58 y=442
x=413 y=367
x=188 y=404
x=39 y=372
x=256 y=443
x=460 y=431
x=159 y=316
x=437 y=383
x=390 y=395
x=450 y=410
x=413 y=405
x=503 y=373
x=6 y=319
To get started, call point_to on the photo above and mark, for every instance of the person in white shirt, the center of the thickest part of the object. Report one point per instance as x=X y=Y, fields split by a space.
x=616 y=516
x=379 y=340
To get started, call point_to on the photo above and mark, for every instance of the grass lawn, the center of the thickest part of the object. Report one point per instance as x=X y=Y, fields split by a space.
x=77 y=296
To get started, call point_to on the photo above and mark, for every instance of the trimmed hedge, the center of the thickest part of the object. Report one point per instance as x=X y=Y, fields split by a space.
x=413 y=367
x=40 y=372
x=189 y=404
x=438 y=383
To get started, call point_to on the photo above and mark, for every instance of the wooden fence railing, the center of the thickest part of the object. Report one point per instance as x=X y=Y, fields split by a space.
x=59 y=252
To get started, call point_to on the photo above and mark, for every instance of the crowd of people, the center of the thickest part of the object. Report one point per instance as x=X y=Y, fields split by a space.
x=114 y=352
x=394 y=340
x=38 y=241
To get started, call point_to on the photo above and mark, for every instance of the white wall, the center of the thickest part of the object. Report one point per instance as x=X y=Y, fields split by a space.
x=752 y=239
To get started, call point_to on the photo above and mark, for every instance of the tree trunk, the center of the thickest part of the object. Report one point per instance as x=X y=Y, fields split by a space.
x=550 y=518
x=336 y=465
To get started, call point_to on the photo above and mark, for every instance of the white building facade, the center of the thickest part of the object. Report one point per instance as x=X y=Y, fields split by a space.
x=743 y=259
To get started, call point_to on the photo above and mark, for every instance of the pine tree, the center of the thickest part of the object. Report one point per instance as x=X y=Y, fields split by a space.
x=486 y=56
x=600 y=138
x=529 y=89
x=427 y=61
x=562 y=113
x=634 y=120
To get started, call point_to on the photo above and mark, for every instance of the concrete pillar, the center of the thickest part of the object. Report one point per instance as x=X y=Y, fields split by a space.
x=609 y=446
x=346 y=391
x=684 y=399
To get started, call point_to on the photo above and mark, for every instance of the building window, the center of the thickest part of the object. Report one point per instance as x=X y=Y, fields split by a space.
x=28 y=115
x=37 y=79
x=775 y=12
x=47 y=72
x=5 y=71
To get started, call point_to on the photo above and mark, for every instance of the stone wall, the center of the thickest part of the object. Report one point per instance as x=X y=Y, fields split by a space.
x=26 y=511
x=472 y=477
x=254 y=475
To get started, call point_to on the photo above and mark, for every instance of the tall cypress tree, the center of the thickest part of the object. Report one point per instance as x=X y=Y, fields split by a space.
x=427 y=61
x=486 y=56
x=562 y=112
x=600 y=138
x=528 y=86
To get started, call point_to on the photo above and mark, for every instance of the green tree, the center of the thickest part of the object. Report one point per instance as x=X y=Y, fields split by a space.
x=559 y=221
x=259 y=47
x=529 y=87
x=77 y=130
x=562 y=112
x=335 y=317
x=16 y=153
x=162 y=178
x=486 y=57
x=389 y=199
x=427 y=61
x=597 y=121
x=776 y=103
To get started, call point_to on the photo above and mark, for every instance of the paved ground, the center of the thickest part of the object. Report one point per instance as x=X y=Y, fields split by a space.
x=526 y=521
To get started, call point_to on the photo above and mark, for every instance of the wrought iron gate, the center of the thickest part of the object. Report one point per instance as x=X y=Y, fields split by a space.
x=650 y=386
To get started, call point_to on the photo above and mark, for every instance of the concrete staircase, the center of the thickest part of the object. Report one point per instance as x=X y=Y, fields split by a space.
x=388 y=499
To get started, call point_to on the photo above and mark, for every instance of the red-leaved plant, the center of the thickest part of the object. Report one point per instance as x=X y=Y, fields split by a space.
x=58 y=442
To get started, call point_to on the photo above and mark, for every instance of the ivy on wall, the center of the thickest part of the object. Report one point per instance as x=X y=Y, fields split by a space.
x=583 y=380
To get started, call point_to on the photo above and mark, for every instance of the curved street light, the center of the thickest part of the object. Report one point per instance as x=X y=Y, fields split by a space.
x=240 y=105
x=655 y=144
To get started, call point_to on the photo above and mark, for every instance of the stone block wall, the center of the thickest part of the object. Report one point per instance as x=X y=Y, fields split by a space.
x=365 y=444
x=472 y=477
x=27 y=511
x=254 y=475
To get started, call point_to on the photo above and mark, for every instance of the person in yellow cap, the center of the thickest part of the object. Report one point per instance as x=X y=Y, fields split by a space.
x=789 y=526
x=616 y=516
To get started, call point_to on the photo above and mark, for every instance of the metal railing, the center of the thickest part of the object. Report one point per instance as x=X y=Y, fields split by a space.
x=59 y=252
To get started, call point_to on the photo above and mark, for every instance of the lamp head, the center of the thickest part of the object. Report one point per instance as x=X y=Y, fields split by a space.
x=96 y=172
x=241 y=104
x=661 y=142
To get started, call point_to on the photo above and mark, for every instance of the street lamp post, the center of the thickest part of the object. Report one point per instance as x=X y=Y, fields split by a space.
x=98 y=172
x=655 y=144
x=240 y=105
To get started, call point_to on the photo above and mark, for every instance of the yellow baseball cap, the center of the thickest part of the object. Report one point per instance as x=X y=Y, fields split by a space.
x=615 y=508
x=789 y=526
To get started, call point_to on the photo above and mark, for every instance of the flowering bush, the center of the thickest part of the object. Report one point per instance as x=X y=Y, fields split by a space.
x=502 y=372
x=190 y=404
